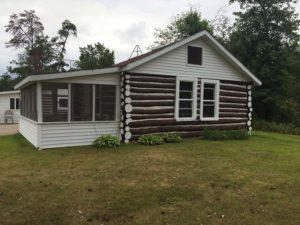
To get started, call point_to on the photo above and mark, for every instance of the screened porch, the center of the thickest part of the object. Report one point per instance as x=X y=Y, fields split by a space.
x=61 y=114
x=67 y=102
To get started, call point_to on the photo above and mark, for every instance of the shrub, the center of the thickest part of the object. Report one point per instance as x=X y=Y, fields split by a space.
x=172 y=138
x=106 y=141
x=225 y=135
x=149 y=139
x=276 y=127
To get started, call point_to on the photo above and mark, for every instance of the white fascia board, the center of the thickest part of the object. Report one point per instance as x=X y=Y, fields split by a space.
x=9 y=92
x=33 y=78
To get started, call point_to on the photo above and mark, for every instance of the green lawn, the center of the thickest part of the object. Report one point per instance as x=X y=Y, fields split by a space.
x=195 y=182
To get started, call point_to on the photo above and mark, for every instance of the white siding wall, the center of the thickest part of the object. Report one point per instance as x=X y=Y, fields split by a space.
x=173 y=63
x=30 y=130
x=5 y=105
x=75 y=134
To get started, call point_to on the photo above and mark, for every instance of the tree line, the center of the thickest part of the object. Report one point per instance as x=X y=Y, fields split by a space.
x=264 y=37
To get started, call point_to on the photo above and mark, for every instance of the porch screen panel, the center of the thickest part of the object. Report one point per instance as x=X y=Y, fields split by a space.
x=105 y=102
x=29 y=102
x=55 y=97
x=81 y=102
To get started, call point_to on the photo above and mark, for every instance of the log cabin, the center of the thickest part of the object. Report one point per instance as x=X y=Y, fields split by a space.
x=184 y=88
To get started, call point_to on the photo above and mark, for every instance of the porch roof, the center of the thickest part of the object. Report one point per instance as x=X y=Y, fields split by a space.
x=33 y=78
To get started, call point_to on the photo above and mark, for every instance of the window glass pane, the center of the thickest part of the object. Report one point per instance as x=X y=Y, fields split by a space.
x=62 y=103
x=185 y=90
x=194 y=55
x=81 y=102
x=105 y=102
x=208 y=109
x=183 y=113
x=185 y=94
x=12 y=103
x=17 y=103
x=209 y=92
x=185 y=108
x=185 y=104
x=55 y=102
x=186 y=86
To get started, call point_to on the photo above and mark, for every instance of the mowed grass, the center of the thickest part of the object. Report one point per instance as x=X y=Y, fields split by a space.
x=195 y=182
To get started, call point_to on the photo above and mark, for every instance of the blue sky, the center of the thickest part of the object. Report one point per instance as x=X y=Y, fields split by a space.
x=120 y=25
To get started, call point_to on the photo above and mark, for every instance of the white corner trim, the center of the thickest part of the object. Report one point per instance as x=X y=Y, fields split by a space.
x=217 y=99
x=194 y=105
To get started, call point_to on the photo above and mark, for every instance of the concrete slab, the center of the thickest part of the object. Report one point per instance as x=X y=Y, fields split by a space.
x=8 y=129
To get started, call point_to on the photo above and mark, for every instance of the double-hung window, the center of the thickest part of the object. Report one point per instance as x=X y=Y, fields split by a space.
x=14 y=103
x=186 y=99
x=209 y=107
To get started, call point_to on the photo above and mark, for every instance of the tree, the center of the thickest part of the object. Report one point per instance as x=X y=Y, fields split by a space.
x=6 y=83
x=26 y=29
x=64 y=33
x=181 y=26
x=221 y=27
x=95 y=57
x=40 y=53
x=264 y=35
x=35 y=60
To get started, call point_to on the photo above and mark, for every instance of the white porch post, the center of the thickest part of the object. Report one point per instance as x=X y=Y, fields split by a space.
x=39 y=103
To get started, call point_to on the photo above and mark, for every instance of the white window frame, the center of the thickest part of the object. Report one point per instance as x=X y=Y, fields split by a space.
x=58 y=101
x=15 y=103
x=216 y=100
x=194 y=99
x=186 y=55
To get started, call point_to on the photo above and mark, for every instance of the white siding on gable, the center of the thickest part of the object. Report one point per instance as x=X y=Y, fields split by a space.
x=75 y=134
x=30 y=130
x=173 y=63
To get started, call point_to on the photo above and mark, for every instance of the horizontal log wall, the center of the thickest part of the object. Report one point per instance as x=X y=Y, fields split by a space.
x=150 y=107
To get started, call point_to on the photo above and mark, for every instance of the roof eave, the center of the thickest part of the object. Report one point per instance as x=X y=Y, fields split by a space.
x=34 y=78
x=9 y=92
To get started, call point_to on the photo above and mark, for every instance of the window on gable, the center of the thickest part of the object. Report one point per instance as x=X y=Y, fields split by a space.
x=186 y=99
x=194 y=55
x=209 y=107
